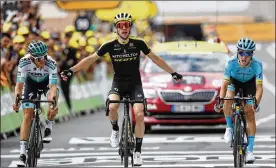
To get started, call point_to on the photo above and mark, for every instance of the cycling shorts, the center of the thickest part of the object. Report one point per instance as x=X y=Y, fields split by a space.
x=30 y=91
x=249 y=87
x=135 y=90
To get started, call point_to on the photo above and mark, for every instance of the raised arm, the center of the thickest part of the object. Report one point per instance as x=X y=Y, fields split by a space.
x=84 y=63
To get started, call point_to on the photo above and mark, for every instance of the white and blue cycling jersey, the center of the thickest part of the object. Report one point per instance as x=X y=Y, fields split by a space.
x=27 y=71
x=35 y=78
x=243 y=74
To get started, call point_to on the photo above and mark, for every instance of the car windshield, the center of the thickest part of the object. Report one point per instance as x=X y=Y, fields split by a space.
x=211 y=62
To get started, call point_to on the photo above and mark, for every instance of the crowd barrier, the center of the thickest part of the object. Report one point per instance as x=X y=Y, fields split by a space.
x=84 y=97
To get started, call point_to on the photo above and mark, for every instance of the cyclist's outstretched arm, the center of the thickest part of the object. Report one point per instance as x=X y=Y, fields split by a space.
x=86 y=62
x=160 y=62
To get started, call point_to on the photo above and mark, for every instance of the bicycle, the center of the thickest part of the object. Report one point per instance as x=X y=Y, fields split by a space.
x=238 y=142
x=127 y=141
x=35 y=145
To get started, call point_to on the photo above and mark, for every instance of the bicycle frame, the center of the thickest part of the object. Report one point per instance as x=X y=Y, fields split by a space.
x=35 y=145
x=240 y=130
x=127 y=141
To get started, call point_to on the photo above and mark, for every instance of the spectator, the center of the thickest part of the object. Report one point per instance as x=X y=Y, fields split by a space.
x=34 y=35
x=14 y=56
x=45 y=37
x=24 y=31
x=5 y=43
x=68 y=59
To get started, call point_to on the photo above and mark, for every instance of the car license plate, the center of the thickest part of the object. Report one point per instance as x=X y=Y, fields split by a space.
x=187 y=108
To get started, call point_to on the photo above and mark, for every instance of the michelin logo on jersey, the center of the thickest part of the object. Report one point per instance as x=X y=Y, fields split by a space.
x=125 y=57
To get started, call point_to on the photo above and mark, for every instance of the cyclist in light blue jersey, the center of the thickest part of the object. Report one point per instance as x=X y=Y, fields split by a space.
x=246 y=72
x=36 y=70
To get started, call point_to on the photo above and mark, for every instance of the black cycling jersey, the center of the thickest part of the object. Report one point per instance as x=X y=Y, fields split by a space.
x=125 y=57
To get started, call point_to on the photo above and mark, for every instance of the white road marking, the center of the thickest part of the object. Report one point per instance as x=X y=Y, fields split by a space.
x=179 y=139
x=270 y=87
x=13 y=164
x=264 y=146
x=197 y=165
x=84 y=149
x=271 y=50
x=145 y=153
x=265 y=119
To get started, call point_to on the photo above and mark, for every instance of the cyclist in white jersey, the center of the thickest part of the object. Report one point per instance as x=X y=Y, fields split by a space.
x=36 y=70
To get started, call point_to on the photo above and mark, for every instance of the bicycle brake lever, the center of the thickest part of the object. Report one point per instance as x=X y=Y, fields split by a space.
x=218 y=100
x=17 y=102
x=255 y=102
x=107 y=107
x=54 y=103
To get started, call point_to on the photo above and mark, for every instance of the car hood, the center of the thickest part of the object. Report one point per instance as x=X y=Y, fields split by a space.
x=192 y=79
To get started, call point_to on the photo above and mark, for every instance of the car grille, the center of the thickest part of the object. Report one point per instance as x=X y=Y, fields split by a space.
x=201 y=96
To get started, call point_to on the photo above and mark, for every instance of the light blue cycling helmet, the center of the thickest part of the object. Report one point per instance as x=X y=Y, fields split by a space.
x=246 y=44
x=37 y=48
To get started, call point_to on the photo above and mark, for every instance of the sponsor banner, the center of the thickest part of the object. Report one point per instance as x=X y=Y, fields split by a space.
x=86 y=5
x=263 y=31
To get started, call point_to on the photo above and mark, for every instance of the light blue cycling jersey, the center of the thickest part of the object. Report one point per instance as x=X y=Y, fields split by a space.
x=244 y=74
x=28 y=70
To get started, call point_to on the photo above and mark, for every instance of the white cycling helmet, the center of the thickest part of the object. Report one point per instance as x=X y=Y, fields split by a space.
x=246 y=44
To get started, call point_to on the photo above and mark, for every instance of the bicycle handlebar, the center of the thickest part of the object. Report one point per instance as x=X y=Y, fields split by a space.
x=17 y=99
x=128 y=101
x=239 y=98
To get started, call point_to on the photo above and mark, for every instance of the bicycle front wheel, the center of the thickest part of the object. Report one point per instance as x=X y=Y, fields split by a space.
x=126 y=147
x=238 y=147
x=32 y=148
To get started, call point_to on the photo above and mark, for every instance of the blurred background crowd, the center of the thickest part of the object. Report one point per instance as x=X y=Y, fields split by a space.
x=67 y=47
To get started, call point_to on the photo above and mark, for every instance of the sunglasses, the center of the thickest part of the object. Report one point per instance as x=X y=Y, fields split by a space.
x=38 y=59
x=121 y=25
x=245 y=53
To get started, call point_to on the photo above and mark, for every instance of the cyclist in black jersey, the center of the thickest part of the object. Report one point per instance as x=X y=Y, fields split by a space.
x=124 y=52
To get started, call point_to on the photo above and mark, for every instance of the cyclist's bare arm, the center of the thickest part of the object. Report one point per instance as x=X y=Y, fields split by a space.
x=85 y=63
x=259 y=93
x=259 y=83
x=18 y=89
x=53 y=91
x=226 y=80
x=160 y=62
x=20 y=78
x=223 y=88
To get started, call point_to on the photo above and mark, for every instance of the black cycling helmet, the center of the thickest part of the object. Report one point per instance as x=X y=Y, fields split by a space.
x=122 y=17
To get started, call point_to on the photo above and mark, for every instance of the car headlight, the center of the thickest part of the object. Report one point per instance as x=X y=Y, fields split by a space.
x=150 y=93
x=217 y=83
